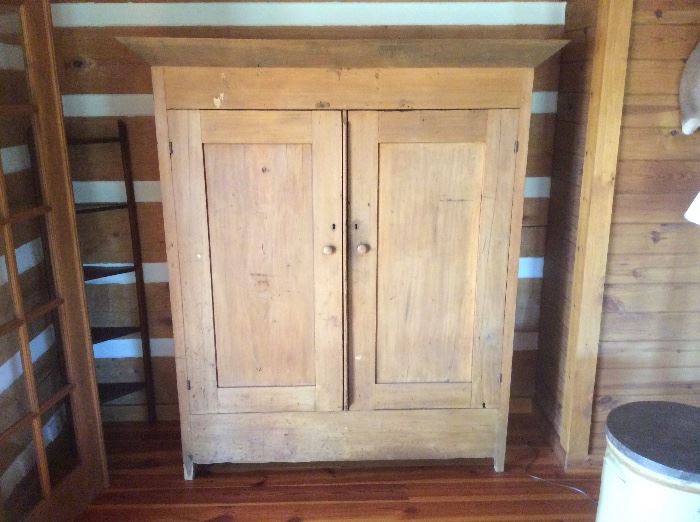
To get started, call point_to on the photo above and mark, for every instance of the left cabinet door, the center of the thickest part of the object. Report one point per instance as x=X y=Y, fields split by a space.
x=258 y=205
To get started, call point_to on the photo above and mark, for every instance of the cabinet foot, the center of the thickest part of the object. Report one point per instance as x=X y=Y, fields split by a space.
x=499 y=461
x=189 y=467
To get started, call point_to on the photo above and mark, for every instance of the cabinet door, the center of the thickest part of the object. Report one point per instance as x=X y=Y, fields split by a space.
x=258 y=204
x=430 y=209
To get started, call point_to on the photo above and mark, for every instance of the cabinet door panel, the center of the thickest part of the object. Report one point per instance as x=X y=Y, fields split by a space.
x=422 y=306
x=269 y=194
x=259 y=202
x=428 y=216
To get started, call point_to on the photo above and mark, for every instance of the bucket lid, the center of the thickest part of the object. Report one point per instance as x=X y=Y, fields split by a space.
x=661 y=436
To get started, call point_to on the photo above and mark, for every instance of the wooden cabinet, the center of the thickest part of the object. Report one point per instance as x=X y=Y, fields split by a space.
x=343 y=246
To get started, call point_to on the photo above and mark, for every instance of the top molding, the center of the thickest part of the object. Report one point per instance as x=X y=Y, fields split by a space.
x=342 y=54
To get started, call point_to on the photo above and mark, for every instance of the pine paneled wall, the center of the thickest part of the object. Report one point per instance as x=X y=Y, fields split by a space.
x=650 y=333
x=101 y=82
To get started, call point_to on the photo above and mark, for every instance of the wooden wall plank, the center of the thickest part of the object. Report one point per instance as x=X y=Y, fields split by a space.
x=653 y=177
x=636 y=326
x=115 y=305
x=130 y=369
x=666 y=12
x=103 y=162
x=658 y=144
x=641 y=376
x=665 y=297
x=104 y=237
x=653 y=76
x=653 y=268
x=663 y=42
x=579 y=14
x=649 y=354
x=651 y=110
x=654 y=238
x=651 y=208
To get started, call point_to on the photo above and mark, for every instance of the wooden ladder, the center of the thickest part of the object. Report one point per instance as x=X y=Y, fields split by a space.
x=112 y=391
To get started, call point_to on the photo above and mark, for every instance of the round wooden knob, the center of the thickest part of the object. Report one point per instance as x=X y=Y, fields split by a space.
x=362 y=248
x=328 y=250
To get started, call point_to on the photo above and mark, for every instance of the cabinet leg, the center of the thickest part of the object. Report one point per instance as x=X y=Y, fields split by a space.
x=499 y=460
x=188 y=466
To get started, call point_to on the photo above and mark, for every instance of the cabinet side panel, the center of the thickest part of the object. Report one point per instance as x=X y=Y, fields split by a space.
x=194 y=269
x=170 y=226
x=493 y=268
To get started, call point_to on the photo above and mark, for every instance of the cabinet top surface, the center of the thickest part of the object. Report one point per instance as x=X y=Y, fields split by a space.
x=345 y=53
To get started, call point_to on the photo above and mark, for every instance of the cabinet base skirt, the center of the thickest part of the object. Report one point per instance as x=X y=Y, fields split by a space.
x=341 y=436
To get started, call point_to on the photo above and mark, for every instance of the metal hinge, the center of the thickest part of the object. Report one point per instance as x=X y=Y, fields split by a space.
x=170 y=144
x=189 y=384
x=515 y=148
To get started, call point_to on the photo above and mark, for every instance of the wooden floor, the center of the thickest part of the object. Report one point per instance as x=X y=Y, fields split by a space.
x=147 y=484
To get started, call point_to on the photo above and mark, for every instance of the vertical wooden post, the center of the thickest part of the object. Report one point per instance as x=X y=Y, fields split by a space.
x=593 y=231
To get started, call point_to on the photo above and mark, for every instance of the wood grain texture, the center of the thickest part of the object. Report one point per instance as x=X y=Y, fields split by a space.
x=191 y=261
x=340 y=436
x=427 y=266
x=382 y=299
x=329 y=164
x=102 y=162
x=665 y=12
x=449 y=427
x=357 y=89
x=499 y=205
x=257 y=196
x=115 y=305
x=343 y=53
x=648 y=347
x=146 y=482
x=661 y=268
x=279 y=178
x=94 y=62
x=104 y=236
x=363 y=157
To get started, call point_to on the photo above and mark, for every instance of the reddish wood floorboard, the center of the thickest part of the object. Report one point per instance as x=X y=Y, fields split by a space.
x=146 y=484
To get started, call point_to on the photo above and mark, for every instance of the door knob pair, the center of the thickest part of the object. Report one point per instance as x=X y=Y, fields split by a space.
x=361 y=248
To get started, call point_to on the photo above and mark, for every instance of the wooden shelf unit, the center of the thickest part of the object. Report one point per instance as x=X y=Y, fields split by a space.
x=105 y=333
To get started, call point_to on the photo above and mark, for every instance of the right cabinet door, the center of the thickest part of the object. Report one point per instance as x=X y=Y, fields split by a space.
x=430 y=196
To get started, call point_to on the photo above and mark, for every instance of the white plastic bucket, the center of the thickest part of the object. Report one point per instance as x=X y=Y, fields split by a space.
x=630 y=492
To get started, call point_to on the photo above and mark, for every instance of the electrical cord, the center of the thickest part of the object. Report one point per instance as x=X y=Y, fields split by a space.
x=554 y=482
